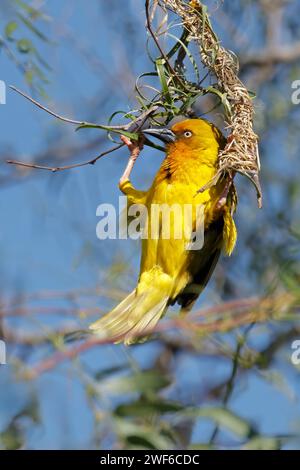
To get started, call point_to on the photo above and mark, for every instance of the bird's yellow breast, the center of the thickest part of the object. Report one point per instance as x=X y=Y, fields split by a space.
x=182 y=174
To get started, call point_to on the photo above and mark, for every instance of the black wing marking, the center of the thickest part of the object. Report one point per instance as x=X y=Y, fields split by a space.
x=202 y=264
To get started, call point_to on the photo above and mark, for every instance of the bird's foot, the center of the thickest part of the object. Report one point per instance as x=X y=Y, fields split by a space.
x=135 y=148
x=223 y=197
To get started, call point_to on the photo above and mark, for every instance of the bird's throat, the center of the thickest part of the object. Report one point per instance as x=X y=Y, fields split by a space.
x=189 y=167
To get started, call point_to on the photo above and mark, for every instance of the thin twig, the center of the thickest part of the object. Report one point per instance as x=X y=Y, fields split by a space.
x=44 y=108
x=154 y=37
x=63 y=118
x=133 y=126
x=66 y=167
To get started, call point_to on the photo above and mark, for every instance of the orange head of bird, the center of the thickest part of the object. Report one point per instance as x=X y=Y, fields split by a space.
x=190 y=135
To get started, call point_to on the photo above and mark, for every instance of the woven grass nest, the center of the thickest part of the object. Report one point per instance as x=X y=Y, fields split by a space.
x=241 y=151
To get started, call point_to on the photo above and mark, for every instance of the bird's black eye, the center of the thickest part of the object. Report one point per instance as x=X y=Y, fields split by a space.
x=187 y=134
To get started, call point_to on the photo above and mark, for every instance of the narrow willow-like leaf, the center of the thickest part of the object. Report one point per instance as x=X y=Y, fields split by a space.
x=10 y=28
x=160 y=67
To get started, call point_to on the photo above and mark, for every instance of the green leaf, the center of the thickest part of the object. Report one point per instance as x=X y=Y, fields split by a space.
x=182 y=39
x=160 y=67
x=224 y=418
x=146 y=408
x=10 y=29
x=142 y=436
x=102 y=374
x=279 y=381
x=41 y=60
x=222 y=97
x=130 y=135
x=29 y=76
x=154 y=146
x=24 y=46
x=11 y=438
x=141 y=382
x=29 y=24
x=252 y=94
x=139 y=86
x=33 y=12
x=189 y=55
x=31 y=411
x=291 y=282
x=37 y=72
x=263 y=443
x=125 y=115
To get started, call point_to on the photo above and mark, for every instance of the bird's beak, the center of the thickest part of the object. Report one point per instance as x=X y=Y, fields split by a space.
x=164 y=134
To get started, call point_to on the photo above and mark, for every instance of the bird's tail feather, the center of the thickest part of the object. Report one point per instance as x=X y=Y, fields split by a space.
x=134 y=317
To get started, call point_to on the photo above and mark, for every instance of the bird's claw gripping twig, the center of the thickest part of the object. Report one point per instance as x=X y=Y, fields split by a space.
x=135 y=148
x=223 y=196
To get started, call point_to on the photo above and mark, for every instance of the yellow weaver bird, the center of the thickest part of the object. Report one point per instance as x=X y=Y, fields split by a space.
x=169 y=272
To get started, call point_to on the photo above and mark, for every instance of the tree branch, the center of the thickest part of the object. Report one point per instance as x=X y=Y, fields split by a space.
x=244 y=312
x=55 y=169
